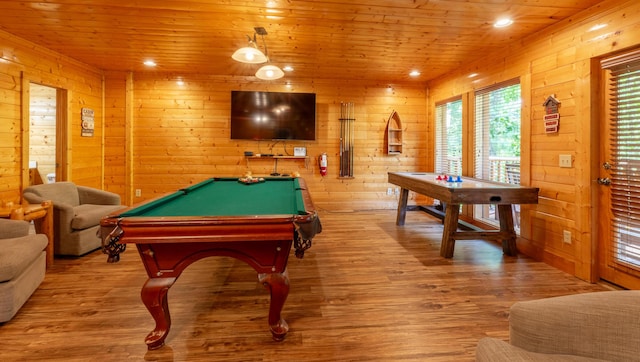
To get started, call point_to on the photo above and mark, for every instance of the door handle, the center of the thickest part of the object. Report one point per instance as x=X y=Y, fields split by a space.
x=604 y=181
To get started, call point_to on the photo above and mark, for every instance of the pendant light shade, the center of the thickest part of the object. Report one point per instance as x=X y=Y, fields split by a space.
x=269 y=72
x=249 y=55
x=252 y=55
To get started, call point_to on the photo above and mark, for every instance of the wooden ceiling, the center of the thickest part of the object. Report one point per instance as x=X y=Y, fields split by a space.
x=343 y=39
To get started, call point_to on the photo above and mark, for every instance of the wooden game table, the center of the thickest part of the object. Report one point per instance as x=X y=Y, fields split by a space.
x=466 y=190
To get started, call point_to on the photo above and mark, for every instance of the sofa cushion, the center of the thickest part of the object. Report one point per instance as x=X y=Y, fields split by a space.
x=495 y=350
x=13 y=228
x=89 y=215
x=60 y=192
x=17 y=253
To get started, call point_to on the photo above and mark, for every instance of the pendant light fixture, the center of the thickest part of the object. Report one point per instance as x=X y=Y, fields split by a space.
x=249 y=54
x=269 y=72
x=252 y=55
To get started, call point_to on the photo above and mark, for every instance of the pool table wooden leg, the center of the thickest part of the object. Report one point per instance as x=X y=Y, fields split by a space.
x=154 y=296
x=278 y=285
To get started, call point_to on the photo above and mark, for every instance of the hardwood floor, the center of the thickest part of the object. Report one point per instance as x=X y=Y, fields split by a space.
x=366 y=291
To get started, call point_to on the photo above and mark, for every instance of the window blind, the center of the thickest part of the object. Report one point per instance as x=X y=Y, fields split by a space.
x=497 y=141
x=624 y=91
x=448 y=153
x=497 y=131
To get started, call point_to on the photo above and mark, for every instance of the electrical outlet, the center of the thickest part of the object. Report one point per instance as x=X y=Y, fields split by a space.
x=389 y=191
x=138 y=192
x=566 y=236
x=564 y=161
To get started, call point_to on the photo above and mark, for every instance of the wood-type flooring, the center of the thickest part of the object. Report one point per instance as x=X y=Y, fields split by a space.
x=367 y=290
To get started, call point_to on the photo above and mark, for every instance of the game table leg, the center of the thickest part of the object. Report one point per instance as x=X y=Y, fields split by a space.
x=505 y=214
x=278 y=285
x=402 y=206
x=154 y=296
x=451 y=215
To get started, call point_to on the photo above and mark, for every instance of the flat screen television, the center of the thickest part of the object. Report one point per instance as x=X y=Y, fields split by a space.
x=273 y=116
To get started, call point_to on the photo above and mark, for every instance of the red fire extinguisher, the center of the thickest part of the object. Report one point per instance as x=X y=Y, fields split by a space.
x=322 y=160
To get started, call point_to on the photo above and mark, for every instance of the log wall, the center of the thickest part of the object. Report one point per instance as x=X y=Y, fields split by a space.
x=24 y=63
x=560 y=61
x=179 y=134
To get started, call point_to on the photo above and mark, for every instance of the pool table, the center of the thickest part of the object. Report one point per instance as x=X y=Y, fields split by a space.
x=254 y=222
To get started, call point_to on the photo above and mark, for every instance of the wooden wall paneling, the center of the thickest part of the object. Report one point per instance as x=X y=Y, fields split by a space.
x=83 y=85
x=103 y=119
x=129 y=141
x=24 y=131
x=597 y=110
x=181 y=135
x=525 y=153
x=556 y=60
x=10 y=132
x=64 y=153
x=25 y=62
x=586 y=195
x=115 y=133
x=87 y=151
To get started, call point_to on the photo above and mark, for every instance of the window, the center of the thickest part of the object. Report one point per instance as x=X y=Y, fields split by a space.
x=497 y=140
x=448 y=155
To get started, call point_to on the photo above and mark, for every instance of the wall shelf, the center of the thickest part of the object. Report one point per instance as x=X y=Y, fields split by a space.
x=393 y=136
x=275 y=159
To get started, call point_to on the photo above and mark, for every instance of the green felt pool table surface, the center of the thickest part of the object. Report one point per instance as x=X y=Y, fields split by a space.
x=228 y=197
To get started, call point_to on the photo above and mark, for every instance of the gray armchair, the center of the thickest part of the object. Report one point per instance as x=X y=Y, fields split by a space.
x=77 y=211
x=600 y=326
x=22 y=265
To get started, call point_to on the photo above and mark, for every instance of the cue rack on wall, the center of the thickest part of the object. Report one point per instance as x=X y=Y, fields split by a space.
x=347 y=117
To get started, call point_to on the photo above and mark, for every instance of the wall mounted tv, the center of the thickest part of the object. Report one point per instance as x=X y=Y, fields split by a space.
x=273 y=116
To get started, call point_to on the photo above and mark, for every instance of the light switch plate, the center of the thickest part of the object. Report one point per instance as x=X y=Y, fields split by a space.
x=565 y=161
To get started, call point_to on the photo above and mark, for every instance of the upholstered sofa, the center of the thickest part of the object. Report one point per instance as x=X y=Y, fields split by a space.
x=22 y=265
x=77 y=211
x=599 y=326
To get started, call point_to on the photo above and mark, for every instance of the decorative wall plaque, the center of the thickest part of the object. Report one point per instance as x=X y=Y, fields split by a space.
x=87 y=122
x=551 y=116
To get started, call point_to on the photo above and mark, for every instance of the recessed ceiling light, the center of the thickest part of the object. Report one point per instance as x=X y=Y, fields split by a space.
x=502 y=23
x=473 y=75
x=597 y=27
x=287 y=68
x=414 y=73
x=274 y=13
x=149 y=63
